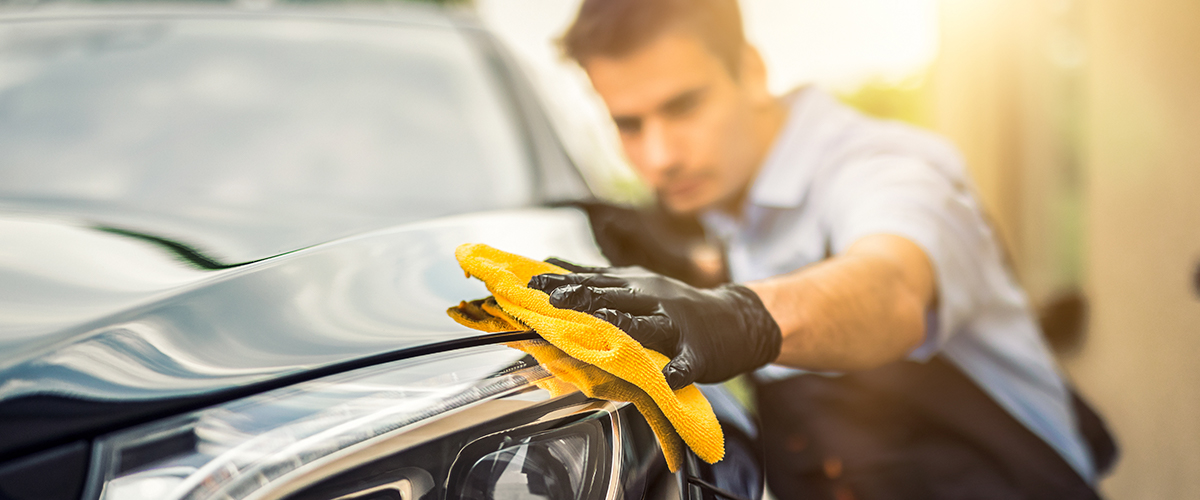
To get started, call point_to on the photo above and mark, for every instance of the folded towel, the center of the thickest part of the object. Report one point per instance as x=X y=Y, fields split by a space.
x=571 y=374
x=608 y=356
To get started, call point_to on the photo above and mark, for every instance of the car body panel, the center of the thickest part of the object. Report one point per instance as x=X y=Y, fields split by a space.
x=167 y=329
x=165 y=294
x=118 y=315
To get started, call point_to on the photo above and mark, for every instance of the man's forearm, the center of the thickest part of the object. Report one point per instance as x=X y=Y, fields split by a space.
x=856 y=311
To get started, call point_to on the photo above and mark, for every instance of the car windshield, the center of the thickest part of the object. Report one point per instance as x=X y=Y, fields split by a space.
x=307 y=117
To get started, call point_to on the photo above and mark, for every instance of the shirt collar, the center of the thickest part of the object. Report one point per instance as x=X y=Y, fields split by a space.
x=814 y=119
x=786 y=173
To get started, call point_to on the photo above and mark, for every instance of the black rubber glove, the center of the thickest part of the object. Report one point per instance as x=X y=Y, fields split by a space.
x=711 y=335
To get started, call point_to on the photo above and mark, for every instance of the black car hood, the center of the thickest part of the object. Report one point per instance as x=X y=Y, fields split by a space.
x=101 y=314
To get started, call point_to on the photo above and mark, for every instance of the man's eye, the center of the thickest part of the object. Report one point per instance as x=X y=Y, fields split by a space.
x=683 y=105
x=628 y=125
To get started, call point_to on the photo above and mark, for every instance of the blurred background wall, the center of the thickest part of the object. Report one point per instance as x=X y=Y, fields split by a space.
x=1080 y=121
x=1141 y=150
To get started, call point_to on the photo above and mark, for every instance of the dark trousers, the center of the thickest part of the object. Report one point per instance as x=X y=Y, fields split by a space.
x=911 y=431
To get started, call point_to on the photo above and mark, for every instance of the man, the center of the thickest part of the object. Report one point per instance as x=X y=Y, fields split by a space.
x=861 y=254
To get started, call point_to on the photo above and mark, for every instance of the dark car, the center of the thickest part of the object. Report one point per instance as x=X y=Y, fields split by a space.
x=227 y=247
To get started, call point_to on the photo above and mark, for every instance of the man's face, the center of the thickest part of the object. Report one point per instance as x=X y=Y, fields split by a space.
x=686 y=124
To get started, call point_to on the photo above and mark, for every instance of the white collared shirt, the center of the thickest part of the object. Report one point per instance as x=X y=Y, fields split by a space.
x=834 y=176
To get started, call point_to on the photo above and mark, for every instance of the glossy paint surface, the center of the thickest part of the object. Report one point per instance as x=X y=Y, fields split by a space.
x=95 y=315
x=199 y=203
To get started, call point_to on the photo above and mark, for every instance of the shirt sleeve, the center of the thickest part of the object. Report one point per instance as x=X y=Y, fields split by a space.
x=934 y=209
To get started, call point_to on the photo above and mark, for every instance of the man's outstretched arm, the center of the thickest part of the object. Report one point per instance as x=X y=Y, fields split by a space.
x=858 y=310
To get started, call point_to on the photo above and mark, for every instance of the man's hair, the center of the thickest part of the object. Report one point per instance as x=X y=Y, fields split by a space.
x=615 y=28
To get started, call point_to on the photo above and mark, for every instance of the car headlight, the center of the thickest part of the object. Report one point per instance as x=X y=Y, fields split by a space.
x=468 y=424
x=557 y=464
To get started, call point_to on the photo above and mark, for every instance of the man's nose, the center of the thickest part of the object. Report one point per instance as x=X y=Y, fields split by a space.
x=658 y=153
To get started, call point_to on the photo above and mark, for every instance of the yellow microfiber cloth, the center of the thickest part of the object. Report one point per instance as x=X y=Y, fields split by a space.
x=571 y=374
x=612 y=364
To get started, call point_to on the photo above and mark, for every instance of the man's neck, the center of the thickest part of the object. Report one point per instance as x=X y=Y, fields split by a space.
x=768 y=121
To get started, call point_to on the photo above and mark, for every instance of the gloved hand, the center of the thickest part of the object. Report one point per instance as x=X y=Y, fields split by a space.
x=711 y=335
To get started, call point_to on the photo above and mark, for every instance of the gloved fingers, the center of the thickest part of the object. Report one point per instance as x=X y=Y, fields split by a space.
x=621 y=298
x=682 y=370
x=656 y=332
x=549 y=282
x=590 y=299
x=573 y=267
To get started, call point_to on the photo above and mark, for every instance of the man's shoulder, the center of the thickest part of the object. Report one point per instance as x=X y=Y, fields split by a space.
x=852 y=137
x=824 y=140
x=870 y=135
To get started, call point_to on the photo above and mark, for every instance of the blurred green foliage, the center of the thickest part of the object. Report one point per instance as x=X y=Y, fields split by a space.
x=906 y=100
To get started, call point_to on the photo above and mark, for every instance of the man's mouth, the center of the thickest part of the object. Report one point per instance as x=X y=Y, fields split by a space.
x=684 y=188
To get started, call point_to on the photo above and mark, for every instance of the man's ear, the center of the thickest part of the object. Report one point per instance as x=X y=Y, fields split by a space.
x=753 y=76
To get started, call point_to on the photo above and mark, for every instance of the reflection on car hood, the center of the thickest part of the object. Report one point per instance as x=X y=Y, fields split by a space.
x=104 y=314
